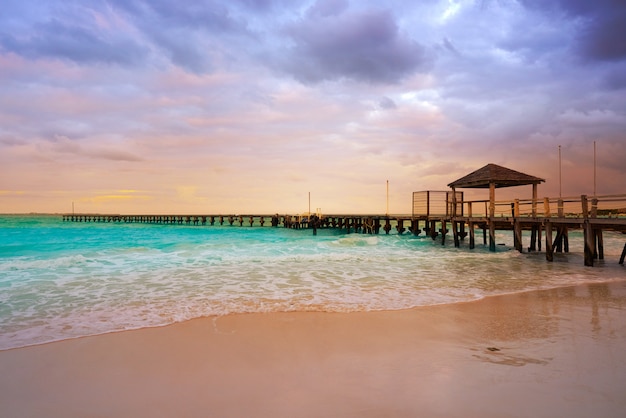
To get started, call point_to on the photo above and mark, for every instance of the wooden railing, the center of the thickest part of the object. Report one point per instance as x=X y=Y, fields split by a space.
x=607 y=206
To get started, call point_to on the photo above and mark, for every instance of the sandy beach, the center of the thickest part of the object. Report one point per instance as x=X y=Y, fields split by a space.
x=545 y=353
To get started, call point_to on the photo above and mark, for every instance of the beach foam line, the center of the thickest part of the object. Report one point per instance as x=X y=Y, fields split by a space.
x=556 y=352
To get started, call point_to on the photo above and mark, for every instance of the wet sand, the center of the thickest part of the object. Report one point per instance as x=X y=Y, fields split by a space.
x=551 y=353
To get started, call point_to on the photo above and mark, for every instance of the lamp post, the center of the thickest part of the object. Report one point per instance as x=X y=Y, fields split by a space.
x=560 y=193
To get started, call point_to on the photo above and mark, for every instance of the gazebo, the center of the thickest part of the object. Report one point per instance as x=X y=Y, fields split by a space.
x=493 y=176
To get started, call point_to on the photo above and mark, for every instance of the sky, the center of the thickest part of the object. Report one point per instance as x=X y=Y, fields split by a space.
x=262 y=106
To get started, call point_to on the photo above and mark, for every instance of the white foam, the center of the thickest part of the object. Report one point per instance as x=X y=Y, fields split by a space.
x=156 y=280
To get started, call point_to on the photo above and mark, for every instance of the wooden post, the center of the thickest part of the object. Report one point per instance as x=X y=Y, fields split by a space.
x=594 y=208
x=600 y=243
x=548 y=225
x=492 y=213
x=400 y=226
x=535 y=238
x=589 y=243
x=415 y=226
x=517 y=233
x=517 y=227
x=538 y=232
x=549 y=249
x=455 y=231
x=472 y=242
x=558 y=242
x=443 y=232
x=589 y=239
x=561 y=236
x=453 y=214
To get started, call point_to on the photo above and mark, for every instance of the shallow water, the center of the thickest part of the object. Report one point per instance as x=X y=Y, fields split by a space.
x=62 y=279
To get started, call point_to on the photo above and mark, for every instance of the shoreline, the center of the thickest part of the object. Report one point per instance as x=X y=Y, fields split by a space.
x=533 y=353
x=217 y=316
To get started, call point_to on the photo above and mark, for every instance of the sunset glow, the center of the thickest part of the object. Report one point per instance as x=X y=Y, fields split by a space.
x=247 y=106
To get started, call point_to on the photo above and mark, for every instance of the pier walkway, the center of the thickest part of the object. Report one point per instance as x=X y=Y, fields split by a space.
x=437 y=214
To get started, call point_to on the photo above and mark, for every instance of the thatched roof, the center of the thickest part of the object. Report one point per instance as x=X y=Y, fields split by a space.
x=492 y=173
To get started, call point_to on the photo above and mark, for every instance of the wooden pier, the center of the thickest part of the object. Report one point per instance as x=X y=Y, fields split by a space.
x=436 y=213
x=371 y=224
x=517 y=216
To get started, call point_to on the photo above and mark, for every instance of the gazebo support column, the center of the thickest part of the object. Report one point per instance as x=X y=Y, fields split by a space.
x=492 y=213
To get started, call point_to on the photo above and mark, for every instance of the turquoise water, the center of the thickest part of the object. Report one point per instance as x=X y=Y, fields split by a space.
x=63 y=280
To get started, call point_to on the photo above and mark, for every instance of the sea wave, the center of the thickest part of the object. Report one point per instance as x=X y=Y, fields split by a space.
x=118 y=277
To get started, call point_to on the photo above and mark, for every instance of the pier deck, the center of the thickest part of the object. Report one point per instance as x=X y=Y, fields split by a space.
x=462 y=218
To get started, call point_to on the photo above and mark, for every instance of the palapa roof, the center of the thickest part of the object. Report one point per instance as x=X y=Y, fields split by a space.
x=493 y=173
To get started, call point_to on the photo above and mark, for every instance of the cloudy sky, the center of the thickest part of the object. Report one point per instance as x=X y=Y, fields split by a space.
x=145 y=106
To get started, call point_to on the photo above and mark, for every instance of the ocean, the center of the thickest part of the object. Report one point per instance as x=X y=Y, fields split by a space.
x=61 y=280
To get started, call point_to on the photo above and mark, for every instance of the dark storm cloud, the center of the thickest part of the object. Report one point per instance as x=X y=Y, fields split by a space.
x=602 y=36
x=363 y=46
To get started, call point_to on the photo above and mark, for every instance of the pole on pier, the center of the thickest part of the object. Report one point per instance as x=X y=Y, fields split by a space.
x=387 y=212
x=560 y=191
x=594 y=168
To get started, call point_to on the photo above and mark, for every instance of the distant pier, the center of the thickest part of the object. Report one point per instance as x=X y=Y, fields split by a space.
x=371 y=224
